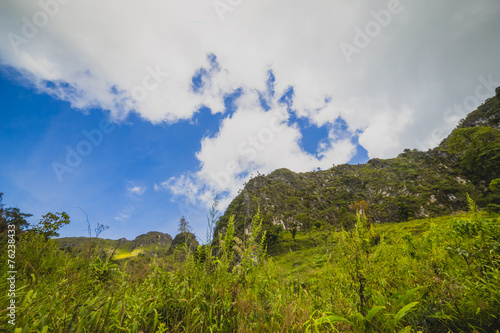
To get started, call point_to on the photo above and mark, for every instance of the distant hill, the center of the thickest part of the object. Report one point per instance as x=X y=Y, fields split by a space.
x=413 y=185
x=183 y=238
x=153 y=238
x=151 y=242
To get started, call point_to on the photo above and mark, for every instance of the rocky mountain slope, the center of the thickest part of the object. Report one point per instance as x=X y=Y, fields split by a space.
x=184 y=238
x=413 y=185
x=151 y=241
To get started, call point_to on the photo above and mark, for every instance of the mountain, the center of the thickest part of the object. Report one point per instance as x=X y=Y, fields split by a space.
x=151 y=242
x=153 y=238
x=183 y=238
x=413 y=185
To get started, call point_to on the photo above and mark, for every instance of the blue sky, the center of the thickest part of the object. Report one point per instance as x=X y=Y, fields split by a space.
x=114 y=183
x=35 y=131
x=141 y=112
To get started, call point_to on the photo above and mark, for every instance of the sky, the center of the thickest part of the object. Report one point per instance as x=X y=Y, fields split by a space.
x=135 y=113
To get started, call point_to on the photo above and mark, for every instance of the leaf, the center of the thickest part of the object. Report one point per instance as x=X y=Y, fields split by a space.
x=407 y=295
x=80 y=328
x=27 y=297
x=401 y=313
x=441 y=316
x=332 y=319
x=155 y=321
x=373 y=312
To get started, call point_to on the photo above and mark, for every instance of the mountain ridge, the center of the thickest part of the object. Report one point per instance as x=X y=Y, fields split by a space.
x=150 y=240
x=414 y=184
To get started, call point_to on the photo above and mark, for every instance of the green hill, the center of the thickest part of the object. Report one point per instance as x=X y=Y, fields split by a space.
x=153 y=242
x=413 y=185
x=291 y=268
x=429 y=275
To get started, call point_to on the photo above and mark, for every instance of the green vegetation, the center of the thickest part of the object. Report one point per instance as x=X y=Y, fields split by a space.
x=478 y=151
x=431 y=275
x=414 y=185
x=11 y=216
x=292 y=253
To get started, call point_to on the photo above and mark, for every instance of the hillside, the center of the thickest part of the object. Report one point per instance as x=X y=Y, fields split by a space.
x=184 y=238
x=413 y=185
x=429 y=275
x=151 y=242
x=434 y=274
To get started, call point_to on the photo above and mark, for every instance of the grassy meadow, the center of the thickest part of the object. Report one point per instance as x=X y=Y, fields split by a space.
x=429 y=275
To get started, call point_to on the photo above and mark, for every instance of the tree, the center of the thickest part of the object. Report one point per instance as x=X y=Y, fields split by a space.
x=293 y=230
x=49 y=224
x=360 y=207
x=407 y=206
x=12 y=216
x=305 y=221
x=495 y=185
x=185 y=228
x=494 y=196
x=184 y=225
x=273 y=235
x=478 y=150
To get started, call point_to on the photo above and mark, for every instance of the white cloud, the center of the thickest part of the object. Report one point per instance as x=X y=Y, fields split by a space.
x=381 y=137
x=136 y=190
x=252 y=140
x=125 y=214
x=96 y=54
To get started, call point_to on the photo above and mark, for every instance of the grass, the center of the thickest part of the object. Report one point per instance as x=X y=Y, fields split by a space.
x=124 y=254
x=430 y=275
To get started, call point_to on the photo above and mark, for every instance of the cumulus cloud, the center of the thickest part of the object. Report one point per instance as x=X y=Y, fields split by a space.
x=128 y=56
x=254 y=139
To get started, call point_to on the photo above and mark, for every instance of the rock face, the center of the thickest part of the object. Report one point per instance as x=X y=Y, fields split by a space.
x=487 y=114
x=414 y=184
x=153 y=237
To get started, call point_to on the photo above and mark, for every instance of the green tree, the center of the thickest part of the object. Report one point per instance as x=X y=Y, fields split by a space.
x=49 y=224
x=495 y=185
x=293 y=230
x=406 y=207
x=478 y=149
x=12 y=216
x=185 y=229
x=494 y=196
x=305 y=222
x=184 y=225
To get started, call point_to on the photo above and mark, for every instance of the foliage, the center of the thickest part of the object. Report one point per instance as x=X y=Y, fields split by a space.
x=413 y=185
x=432 y=275
x=184 y=225
x=478 y=149
x=331 y=268
x=49 y=224
x=12 y=216
x=212 y=218
x=495 y=185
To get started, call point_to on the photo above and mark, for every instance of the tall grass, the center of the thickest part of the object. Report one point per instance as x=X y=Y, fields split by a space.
x=435 y=275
